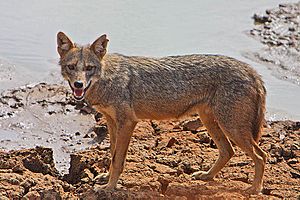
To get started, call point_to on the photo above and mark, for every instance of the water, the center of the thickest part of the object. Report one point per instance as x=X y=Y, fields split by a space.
x=150 y=28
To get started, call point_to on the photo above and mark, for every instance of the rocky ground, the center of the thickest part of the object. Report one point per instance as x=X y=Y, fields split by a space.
x=279 y=30
x=161 y=158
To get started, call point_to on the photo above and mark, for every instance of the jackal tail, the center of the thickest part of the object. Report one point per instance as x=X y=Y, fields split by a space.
x=260 y=117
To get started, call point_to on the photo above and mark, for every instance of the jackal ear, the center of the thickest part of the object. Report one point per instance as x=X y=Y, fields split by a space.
x=99 y=46
x=64 y=44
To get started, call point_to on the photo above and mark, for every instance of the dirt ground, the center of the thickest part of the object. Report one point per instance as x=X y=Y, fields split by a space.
x=161 y=158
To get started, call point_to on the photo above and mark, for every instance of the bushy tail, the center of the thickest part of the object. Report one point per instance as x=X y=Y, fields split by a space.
x=260 y=117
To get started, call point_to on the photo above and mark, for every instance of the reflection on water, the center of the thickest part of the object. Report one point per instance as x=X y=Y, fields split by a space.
x=150 y=28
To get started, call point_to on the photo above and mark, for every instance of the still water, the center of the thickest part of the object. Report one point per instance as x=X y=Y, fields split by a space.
x=149 y=28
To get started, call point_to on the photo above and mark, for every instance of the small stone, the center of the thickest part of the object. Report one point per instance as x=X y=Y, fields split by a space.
x=86 y=110
x=203 y=138
x=192 y=125
x=18 y=169
x=14 y=181
x=100 y=130
x=164 y=181
x=88 y=173
x=171 y=142
x=77 y=133
x=50 y=194
x=260 y=19
x=292 y=29
x=32 y=195
x=292 y=161
x=295 y=175
x=272 y=160
x=286 y=153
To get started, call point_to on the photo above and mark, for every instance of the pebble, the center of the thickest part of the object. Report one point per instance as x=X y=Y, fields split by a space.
x=171 y=142
x=192 y=125
x=77 y=133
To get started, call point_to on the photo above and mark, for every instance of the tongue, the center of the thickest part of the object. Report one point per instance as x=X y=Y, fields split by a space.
x=78 y=92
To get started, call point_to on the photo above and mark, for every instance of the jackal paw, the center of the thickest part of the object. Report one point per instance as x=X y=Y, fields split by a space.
x=253 y=190
x=202 y=175
x=101 y=178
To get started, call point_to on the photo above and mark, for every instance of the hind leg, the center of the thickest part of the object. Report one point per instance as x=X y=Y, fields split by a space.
x=224 y=146
x=249 y=146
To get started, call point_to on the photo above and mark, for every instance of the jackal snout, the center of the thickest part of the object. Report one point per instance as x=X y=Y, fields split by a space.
x=79 y=88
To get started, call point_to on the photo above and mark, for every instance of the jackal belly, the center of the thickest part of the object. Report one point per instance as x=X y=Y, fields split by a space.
x=167 y=108
x=163 y=112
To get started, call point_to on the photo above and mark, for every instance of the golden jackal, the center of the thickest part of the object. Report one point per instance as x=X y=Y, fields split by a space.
x=228 y=95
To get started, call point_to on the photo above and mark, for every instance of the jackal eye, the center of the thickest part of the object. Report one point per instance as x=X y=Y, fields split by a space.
x=89 y=68
x=70 y=67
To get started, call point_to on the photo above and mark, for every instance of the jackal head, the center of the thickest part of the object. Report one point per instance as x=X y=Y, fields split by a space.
x=80 y=65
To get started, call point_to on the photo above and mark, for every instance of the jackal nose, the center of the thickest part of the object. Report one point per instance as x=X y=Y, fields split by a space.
x=78 y=84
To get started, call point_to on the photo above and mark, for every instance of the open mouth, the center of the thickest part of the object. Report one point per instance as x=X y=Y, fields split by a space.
x=79 y=92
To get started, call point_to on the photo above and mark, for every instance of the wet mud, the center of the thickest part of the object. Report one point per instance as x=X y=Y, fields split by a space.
x=279 y=30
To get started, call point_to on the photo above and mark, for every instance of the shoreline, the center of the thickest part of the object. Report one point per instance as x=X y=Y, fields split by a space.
x=278 y=29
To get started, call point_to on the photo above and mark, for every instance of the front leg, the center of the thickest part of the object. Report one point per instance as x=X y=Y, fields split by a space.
x=112 y=129
x=124 y=132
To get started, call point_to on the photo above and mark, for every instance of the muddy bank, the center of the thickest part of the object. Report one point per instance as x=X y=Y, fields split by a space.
x=46 y=115
x=161 y=156
x=279 y=30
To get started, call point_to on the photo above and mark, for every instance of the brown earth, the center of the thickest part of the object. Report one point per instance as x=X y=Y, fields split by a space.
x=161 y=158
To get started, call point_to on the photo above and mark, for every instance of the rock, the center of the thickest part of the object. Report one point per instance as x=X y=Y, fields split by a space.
x=260 y=19
x=171 y=142
x=272 y=160
x=18 y=169
x=14 y=181
x=164 y=181
x=32 y=195
x=100 y=131
x=50 y=194
x=292 y=161
x=275 y=150
x=287 y=154
x=203 y=138
x=295 y=175
x=192 y=125
x=87 y=174
x=163 y=169
x=86 y=110
x=77 y=133
x=187 y=168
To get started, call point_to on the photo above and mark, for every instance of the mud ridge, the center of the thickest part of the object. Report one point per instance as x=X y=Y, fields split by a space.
x=279 y=30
